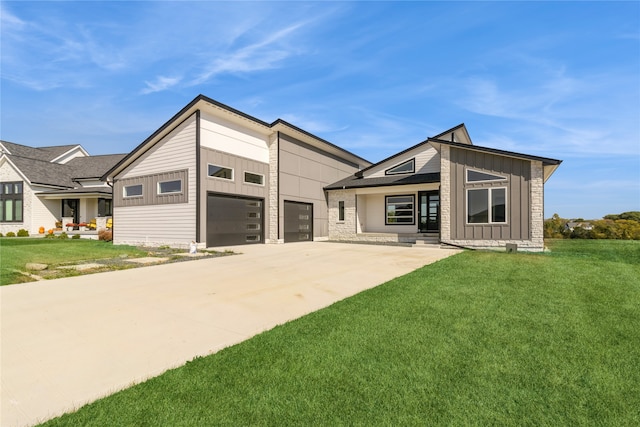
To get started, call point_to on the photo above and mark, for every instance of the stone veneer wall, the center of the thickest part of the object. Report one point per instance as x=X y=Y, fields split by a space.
x=342 y=230
x=445 y=193
x=272 y=232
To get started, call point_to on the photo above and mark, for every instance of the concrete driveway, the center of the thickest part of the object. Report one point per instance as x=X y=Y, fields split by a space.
x=67 y=342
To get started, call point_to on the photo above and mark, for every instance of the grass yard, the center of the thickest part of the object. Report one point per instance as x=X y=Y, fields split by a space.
x=15 y=252
x=476 y=339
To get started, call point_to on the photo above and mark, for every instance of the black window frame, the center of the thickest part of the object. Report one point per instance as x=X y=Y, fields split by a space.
x=413 y=210
x=15 y=195
x=341 y=210
x=411 y=161
x=262 y=178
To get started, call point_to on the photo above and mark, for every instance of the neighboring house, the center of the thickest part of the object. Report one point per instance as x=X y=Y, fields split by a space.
x=571 y=225
x=45 y=185
x=218 y=177
x=445 y=189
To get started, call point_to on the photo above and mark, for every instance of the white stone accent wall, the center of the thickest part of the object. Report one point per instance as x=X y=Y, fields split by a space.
x=342 y=230
x=537 y=204
x=272 y=232
x=445 y=193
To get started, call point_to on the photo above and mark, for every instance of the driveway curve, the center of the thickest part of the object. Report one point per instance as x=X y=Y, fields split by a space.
x=67 y=342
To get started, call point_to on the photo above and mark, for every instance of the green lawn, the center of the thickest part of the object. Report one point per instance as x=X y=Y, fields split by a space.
x=477 y=339
x=15 y=252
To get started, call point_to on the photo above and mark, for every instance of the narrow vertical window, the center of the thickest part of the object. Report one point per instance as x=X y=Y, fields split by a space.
x=341 y=210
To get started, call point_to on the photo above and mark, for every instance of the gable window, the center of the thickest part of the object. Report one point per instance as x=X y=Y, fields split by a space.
x=399 y=210
x=133 y=190
x=253 y=178
x=341 y=210
x=170 y=187
x=478 y=176
x=407 y=167
x=11 y=201
x=487 y=205
x=215 y=171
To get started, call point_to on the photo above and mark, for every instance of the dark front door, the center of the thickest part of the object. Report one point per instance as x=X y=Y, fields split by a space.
x=428 y=211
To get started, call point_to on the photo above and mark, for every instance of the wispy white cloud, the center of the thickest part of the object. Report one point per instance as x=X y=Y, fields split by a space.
x=161 y=83
x=260 y=55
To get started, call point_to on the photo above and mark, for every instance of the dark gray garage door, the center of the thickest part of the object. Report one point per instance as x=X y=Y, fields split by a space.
x=298 y=222
x=234 y=220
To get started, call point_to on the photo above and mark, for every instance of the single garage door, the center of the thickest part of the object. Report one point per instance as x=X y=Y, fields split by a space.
x=234 y=220
x=298 y=222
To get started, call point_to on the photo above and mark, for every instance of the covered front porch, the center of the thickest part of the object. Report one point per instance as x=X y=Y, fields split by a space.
x=389 y=214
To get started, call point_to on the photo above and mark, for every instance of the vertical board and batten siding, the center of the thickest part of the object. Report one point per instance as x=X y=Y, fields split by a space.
x=518 y=173
x=427 y=160
x=223 y=135
x=237 y=187
x=303 y=173
x=160 y=223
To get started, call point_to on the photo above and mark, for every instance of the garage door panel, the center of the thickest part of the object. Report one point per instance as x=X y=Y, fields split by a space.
x=298 y=222
x=234 y=220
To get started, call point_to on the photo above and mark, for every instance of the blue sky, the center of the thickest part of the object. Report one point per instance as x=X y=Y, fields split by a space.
x=555 y=79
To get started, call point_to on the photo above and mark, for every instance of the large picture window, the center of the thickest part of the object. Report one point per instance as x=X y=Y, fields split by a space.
x=487 y=205
x=11 y=202
x=400 y=210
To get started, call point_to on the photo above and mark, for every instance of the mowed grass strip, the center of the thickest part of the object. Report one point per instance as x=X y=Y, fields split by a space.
x=476 y=339
x=16 y=252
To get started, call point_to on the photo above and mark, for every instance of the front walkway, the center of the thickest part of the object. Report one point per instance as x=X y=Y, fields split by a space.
x=69 y=341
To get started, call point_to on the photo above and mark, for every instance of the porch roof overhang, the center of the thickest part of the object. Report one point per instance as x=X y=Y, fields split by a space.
x=386 y=181
x=76 y=193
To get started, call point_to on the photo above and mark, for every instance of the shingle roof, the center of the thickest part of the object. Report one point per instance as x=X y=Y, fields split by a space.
x=36 y=165
x=354 y=181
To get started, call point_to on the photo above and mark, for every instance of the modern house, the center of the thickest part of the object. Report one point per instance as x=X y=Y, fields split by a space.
x=217 y=176
x=446 y=190
x=40 y=187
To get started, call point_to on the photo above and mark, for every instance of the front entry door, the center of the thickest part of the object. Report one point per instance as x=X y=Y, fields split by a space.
x=428 y=211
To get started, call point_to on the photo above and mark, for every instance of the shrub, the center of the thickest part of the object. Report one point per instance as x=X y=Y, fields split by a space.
x=75 y=237
x=50 y=236
x=23 y=233
x=11 y=234
x=0 y=234
x=105 y=235
x=63 y=236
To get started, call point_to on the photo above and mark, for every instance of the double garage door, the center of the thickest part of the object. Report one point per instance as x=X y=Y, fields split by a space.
x=236 y=220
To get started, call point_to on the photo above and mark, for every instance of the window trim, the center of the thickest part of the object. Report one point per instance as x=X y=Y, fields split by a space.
x=169 y=193
x=489 y=206
x=126 y=196
x=244 y=178
x=15 y=197
x=499 y=178
x=413 y=209
x=233 y=173
x=413 y=168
